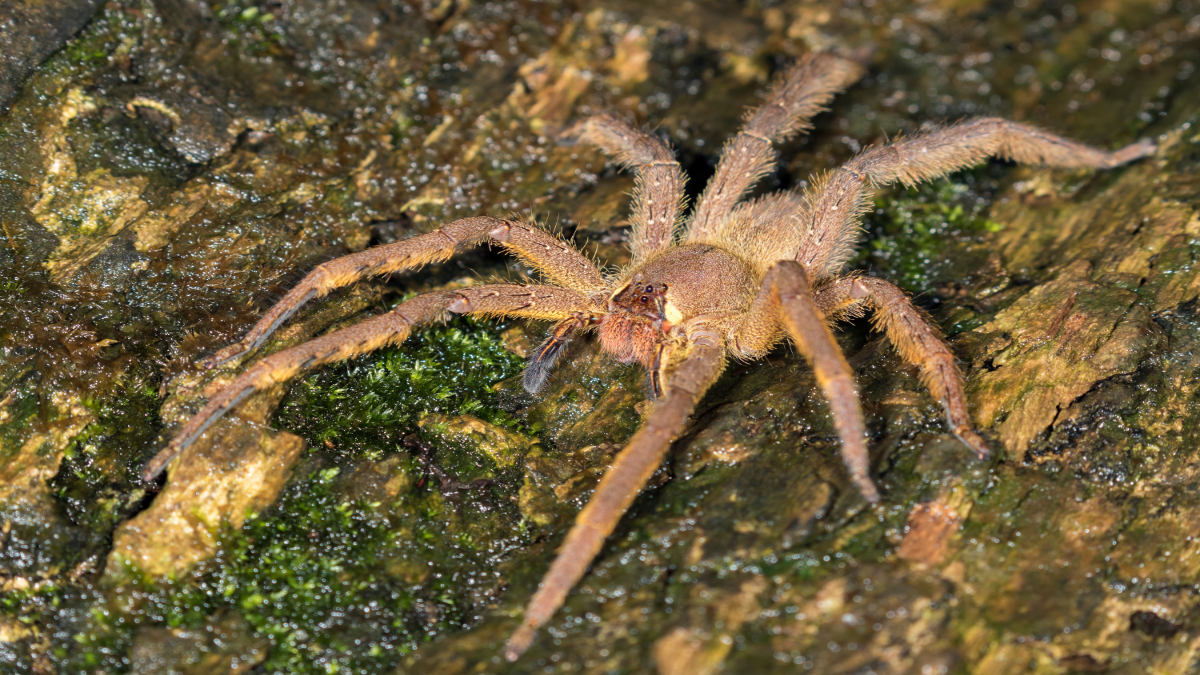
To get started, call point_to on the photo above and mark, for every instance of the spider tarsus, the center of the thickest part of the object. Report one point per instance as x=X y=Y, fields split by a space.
x=868 y=490
x=973 y=441
x=1134 y=151
x=860 y=55
x=519 y=642
x=224 y=356
x=160 y=462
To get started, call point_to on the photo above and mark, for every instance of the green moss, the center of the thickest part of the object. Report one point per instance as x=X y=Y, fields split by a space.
x=251 y=26
x=108 y=32
x=98 y=482
x=912 y=230
x=334 y=583
x=21 y=410
x=337 y=583
x=371 y=402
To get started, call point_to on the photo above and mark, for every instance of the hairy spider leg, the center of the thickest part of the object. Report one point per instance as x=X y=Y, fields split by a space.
x=689 y=379
x=510 y=300
x=803 y=91
x=554 y=258
x=838 y=204
x=658 y=188
x=785 y=300
x=914 y=336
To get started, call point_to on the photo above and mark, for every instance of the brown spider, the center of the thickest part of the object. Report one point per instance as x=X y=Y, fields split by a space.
x=730 y=281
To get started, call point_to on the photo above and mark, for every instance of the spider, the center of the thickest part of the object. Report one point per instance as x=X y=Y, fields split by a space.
x=729 y=281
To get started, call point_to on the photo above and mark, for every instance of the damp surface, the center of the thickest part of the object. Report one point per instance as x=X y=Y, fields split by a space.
x=172 y=169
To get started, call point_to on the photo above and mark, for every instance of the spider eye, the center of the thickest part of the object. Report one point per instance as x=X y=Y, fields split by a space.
x=644 y=299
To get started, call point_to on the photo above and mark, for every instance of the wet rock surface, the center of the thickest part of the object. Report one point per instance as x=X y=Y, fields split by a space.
x=167 y=174
x=31 y=30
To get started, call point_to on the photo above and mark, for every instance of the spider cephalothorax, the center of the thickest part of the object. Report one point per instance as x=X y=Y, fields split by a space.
x=636 y=323
x=656 y=299
x=730 y=281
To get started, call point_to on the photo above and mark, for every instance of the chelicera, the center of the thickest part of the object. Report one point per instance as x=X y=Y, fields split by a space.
x=730 y=280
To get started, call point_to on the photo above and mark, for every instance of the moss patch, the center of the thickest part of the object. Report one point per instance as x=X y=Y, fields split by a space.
x=335 y=584
x=913 y=230
x=98 y=482
x=364 y=405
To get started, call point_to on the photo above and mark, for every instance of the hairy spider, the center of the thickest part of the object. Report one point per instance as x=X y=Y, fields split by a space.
x=730 y=281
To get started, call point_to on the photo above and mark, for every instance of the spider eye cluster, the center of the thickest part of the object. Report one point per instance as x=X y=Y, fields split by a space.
x=648 y=290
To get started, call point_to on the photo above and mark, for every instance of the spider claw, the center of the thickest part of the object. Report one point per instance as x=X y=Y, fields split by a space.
x=867 y=489
x=1134 y=151
x=159 y=463
x=861 y=55
x=973 y=441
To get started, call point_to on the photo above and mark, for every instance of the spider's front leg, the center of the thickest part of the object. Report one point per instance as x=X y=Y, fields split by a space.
x=556 y=259
x=512 y=300
x=689 y=377
x=785 y=300
x=915 y=337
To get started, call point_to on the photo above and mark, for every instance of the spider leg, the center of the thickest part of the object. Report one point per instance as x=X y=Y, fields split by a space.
x=689 y=379
x=785 y=300
x=560 y=262
x=658 y=190
x=838 y=204
x=514 y=300
x=803 y=91
x=917 y=340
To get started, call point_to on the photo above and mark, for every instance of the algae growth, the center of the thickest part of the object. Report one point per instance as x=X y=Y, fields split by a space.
x=171 y=170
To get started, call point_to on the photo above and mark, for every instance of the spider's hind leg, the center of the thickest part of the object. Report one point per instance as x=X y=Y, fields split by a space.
x=785 y=301
x=917 y=340
x=658 y=192
x=803 y=91
x=838 y=203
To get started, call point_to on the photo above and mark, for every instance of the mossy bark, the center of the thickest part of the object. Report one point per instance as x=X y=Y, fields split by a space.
x=171 y=170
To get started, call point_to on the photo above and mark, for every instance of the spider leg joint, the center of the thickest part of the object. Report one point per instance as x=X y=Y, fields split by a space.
x=502 y=233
